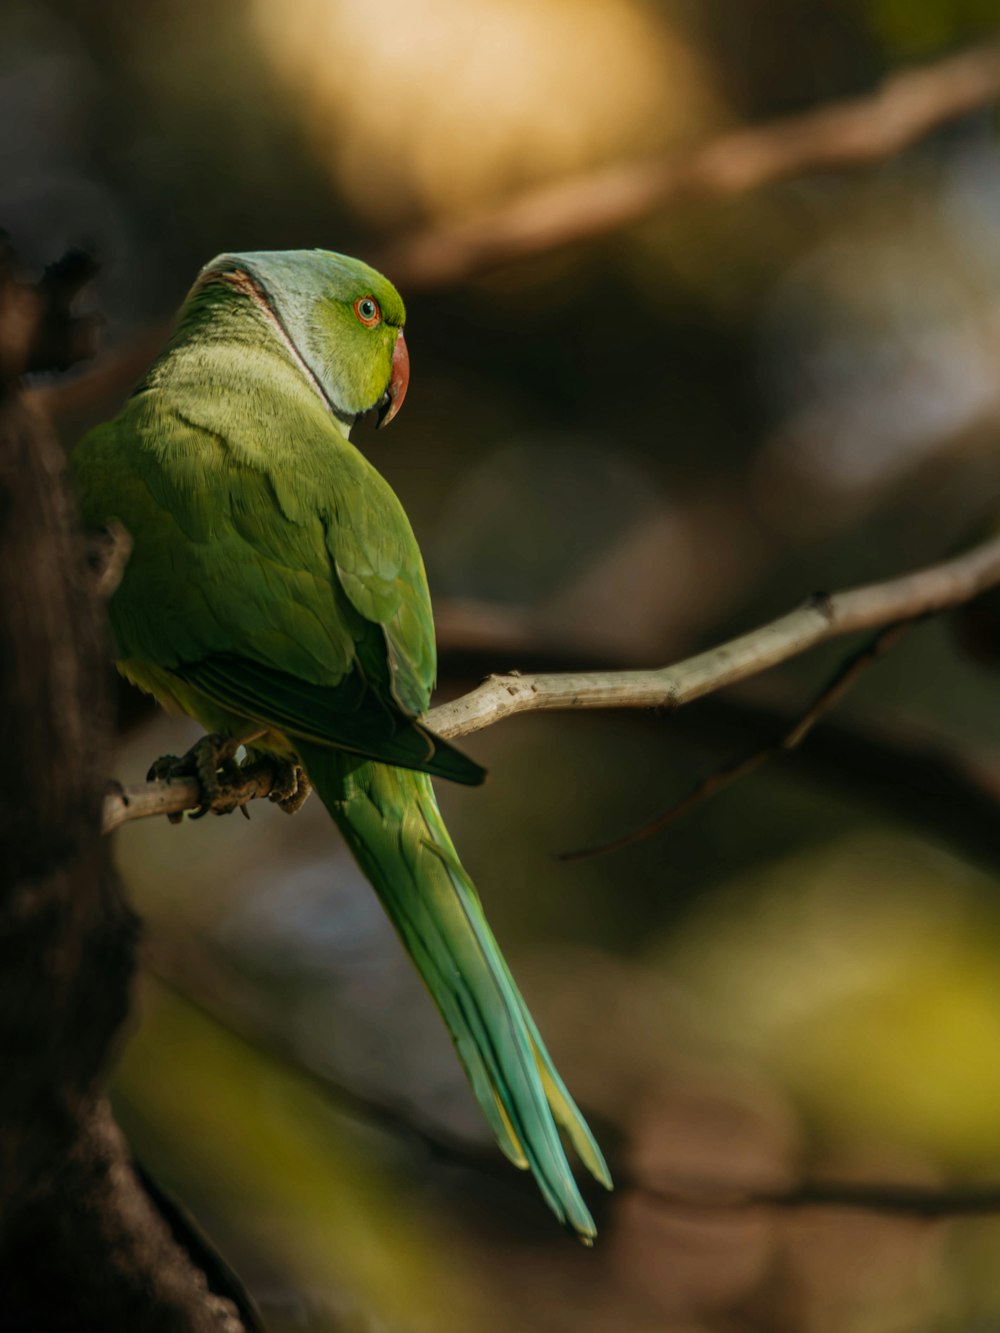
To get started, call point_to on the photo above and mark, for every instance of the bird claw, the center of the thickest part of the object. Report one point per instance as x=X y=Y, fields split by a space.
x=223 y=783
x=211 y=761
x=290 y=787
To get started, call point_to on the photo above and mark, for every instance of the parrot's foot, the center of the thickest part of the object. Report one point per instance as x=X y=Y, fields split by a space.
x=290 y=787
x=212 y=761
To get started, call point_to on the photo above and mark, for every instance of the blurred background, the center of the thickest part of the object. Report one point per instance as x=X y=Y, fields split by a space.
x=613 y=453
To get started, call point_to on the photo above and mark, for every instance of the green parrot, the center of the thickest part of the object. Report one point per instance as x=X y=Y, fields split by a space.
x=275 y=592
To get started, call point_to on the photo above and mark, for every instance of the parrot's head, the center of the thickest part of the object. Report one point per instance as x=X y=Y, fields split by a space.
x=342 y=320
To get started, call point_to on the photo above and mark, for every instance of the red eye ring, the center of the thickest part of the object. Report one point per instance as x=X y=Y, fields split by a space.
x=367 y=310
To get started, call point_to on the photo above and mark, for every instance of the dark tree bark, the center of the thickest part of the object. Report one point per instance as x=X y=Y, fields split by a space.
x=82 y=1245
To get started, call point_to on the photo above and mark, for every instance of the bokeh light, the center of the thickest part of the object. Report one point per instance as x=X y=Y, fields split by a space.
x=444 y=105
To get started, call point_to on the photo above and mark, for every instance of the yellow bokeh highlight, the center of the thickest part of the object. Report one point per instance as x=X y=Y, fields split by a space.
x=251 y=1137
x=440 y=105
x=865 y=977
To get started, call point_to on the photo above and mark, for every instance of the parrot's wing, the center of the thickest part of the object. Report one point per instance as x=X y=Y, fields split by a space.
x=346 y=716
x=380 y=569
x=284 y=583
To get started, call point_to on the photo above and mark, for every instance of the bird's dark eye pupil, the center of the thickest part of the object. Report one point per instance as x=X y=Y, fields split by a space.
x=366 y=309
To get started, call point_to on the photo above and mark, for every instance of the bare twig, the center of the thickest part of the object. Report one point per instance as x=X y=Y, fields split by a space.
x=174 y=795
x=228 y=1003
x=852 y=133
x=929 y=1202
x=723 y=778
x=936 y=588
x=912 y=772
x=203 y=983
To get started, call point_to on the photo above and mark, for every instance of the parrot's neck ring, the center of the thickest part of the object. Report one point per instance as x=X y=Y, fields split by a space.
x=243 y=282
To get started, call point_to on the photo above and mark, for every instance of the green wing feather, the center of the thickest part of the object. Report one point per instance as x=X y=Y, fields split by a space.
x=349 y=717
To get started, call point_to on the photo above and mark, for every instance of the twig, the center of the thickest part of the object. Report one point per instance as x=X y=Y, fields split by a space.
x=216 y=994
x=175 y=795
x=232 y=1009
x=912 y=773
x=907 y=1200
x=723 y=778
x=852 y=133
x=936 y=588
x=921 y=1201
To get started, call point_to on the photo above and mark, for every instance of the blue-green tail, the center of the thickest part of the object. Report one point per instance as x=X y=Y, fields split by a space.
x=390 y=819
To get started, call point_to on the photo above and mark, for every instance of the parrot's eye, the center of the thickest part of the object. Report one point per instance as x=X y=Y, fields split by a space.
x=366 y=309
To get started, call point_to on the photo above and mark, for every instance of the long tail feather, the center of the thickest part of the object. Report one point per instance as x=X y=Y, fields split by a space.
x=391 y=822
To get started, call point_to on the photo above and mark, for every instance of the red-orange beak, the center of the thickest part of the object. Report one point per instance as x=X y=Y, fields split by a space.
x=398 y=384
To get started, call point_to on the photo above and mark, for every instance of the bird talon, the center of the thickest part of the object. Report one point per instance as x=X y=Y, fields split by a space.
x=290 y=787
x=211 y=762
x=164 y=768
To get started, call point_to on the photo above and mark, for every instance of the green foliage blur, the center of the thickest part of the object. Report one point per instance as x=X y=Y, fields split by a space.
x=615 y=454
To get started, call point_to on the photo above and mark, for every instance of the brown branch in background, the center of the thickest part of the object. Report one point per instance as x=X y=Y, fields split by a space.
x=723 y=778
x=935 y=588
x=856 y=132
x=933 y=1203
x=923 y=781
x=853 y=133
x=912 y=773
x=225 y=1000
x=201 y=981
x=925 y=1201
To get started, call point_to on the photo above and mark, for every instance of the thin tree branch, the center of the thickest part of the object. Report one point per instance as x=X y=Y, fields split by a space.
x=723 y=778
x=823 y=617
x=853 y=133
x=175 y=795
x=226 y=1002
x=930 y=1202
x=914 y=775
x=856 y=132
